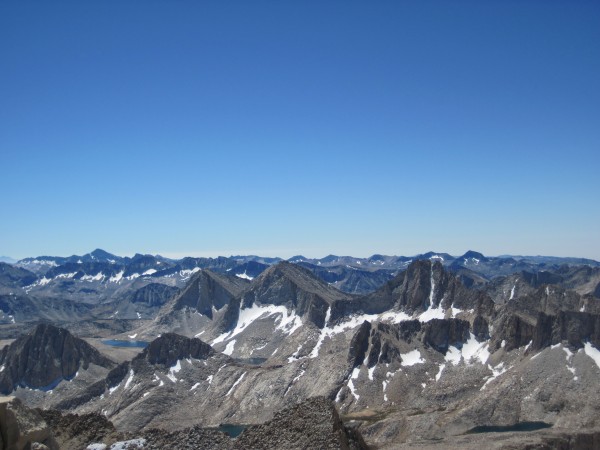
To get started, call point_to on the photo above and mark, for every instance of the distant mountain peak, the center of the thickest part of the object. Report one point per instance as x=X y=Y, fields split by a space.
x=474 y=254
x=102 y=254
x=297 y=258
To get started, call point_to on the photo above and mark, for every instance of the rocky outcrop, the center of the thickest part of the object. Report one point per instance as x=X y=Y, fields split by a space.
x=73 y=431
x=359 y=345
x=44 y=357
x=23 y=428
x=170 y=347
x=164 y=351
x=14 y=276
x=314 y=423
x=574 y=328
x=350 y=279
x=549 y=316
x=189 y=438
x=424 y=284
x=208 y=290
x=379 y=342
x=568 y=441
x=154 y=294
x=442 y=333
x=294 y=287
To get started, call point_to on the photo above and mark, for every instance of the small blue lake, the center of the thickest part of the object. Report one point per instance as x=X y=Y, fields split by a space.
x=231 y=430
x=124 y=343
x=521 y=426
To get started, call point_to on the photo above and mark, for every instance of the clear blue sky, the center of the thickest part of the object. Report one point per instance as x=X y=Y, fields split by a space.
x=279 y=127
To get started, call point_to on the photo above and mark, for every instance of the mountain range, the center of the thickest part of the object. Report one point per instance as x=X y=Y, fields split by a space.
x=428 y=351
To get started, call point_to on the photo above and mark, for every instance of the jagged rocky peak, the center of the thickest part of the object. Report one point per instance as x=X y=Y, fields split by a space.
x=282 y=283
x=15 y=276
x=426 y=284
x=472 y=256
x=296 y=288
x=102 y=255
x=44 y=357
x=171 y=347
x=209 y=289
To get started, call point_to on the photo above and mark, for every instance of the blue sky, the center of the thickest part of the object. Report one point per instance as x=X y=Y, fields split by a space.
x=278 y=127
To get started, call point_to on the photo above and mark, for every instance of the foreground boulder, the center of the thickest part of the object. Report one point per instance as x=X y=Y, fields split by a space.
x=314 y=423
x=21 y=427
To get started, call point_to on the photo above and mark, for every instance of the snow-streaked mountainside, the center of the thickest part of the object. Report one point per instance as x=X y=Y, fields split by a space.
x=416 y=351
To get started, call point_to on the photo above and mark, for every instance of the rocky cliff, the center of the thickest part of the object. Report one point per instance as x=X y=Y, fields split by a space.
x=44 y=357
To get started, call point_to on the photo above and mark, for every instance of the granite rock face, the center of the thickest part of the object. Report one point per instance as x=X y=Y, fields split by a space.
x=44 y=357
x=294 y=287
x=15 y=276
x=154 y=294
x=423 y=285
x=23 y=428
x=208 y=290
x=161 y=353
x=73 y=431
x=171 y=347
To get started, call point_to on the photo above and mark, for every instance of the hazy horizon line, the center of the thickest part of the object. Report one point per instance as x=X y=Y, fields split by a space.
x=286 y=254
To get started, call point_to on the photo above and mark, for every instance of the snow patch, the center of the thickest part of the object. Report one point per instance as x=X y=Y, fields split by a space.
x=411 y=358
x=354 y=376
x=475 y=350
x=229 y=348
x=130 y=444
x=439 y=374
x=353 y=322
x=454 y=312
x=113 y=389
x=186 y=273
x=294 y=356
x=496 y=372
x=470 y=351
x=371 y=372
x=288 y=322
x=116 y=278
x=129 y=380
x=99 y=276
x=173 y=370
x=235 y=384
x=592 y=352
x=432 y=313
x=244 y=275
